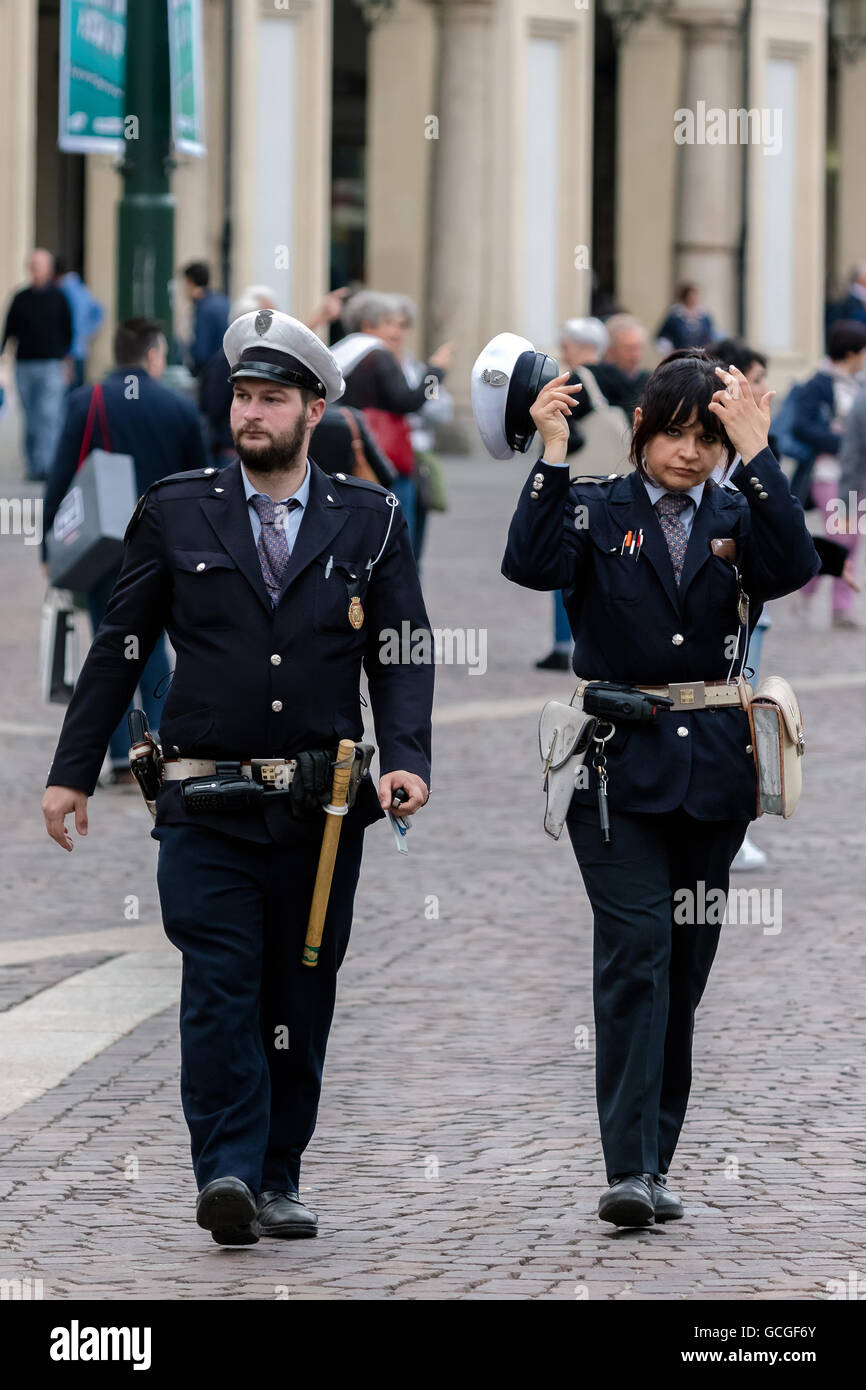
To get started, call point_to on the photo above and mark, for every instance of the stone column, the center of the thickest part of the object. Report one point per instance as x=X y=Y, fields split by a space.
x=709 y=184
x=851 y=209
x=459 y=212
x=18 y=60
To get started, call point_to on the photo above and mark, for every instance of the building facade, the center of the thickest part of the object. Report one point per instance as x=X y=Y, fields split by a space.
x=505 y=163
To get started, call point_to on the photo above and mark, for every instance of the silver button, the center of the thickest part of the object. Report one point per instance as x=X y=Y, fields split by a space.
x=330 y=498
x=276 y=706
x=533 y=494
x=748 y=747
x=201 y=566
x=341 y=476
x=208 y=472
x=677 y=639
x=756 y=482
x=276 y=659
x=612 y=475
x=219 y=489
x=538 y=479
x=683 y=731
x=763 y=496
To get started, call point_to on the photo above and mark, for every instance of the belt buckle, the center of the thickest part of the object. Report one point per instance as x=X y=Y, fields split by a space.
x=688 y=695
x=264 y=770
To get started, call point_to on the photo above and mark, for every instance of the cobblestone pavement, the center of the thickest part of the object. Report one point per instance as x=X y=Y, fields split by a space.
x=457 y=1154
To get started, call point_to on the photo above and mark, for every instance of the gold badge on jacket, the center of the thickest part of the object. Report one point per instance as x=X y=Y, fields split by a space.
x=356 y=612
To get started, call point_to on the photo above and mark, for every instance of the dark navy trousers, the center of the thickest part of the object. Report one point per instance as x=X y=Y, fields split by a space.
x=254 y=1021
x=649 y=971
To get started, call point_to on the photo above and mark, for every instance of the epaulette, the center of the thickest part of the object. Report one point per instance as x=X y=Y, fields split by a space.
x=359 y=482
x=184 y=477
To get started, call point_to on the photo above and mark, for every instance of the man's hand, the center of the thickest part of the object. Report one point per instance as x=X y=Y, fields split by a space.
x=416 y=788
x=56 y=805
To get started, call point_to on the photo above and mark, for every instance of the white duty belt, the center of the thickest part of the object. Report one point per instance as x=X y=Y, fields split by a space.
x=256 y=769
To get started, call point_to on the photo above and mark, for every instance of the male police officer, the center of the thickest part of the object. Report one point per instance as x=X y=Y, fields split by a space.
x=275 y=583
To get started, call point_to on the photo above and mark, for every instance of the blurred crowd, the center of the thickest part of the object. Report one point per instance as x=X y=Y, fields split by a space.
x=385 y=426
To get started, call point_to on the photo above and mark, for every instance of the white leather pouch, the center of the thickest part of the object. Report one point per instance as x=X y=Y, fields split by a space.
x=778 y=746
x=564 y=733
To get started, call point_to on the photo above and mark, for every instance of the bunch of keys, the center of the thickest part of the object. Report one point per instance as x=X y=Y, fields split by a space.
x=400 y=824
x=600 y=765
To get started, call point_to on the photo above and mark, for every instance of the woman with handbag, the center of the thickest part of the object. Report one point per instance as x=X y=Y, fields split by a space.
x=664 y=574
x=375 y=383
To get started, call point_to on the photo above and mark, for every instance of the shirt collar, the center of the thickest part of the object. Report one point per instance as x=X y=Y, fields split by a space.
x=655 y=492
x=302 y=496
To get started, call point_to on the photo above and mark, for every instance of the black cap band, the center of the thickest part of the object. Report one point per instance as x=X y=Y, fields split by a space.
x=271 y=365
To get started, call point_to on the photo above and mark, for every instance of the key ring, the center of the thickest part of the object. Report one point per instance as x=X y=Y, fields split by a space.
x=603 y=741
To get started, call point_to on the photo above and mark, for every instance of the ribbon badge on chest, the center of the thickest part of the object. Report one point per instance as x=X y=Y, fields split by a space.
x=356 y=612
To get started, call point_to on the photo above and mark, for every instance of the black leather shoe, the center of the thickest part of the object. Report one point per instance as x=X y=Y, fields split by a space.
x=668 y=1206
x=554 y=661
x=628 y=1201
x=226 y=1207
x=283 y=1214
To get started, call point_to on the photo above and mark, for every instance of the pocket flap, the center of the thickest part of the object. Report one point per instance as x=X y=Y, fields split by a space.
x=777 y=691
x=197 y=561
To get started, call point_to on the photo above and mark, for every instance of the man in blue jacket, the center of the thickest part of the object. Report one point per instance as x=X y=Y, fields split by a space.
x=160 y=430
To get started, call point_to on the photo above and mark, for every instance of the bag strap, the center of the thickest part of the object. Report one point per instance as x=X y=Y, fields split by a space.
x=597 y=397
x=357 y=441
x=97 y=404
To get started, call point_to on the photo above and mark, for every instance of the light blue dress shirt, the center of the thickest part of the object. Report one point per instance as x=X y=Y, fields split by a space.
x=294 y=515
x=687 y=516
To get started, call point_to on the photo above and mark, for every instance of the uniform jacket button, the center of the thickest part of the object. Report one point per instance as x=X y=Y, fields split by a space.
x=763 y=496
x=677 y=639
x=756 y=482
x=341 y=476
x=748 y=747
x=276 y=706
x=201 y=566
x=276 y=659
x=682 y=731
x=533 y=494
x=208 y=471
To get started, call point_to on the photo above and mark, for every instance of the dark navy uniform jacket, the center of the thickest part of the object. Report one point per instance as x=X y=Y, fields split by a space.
x=631 y=622
x=251 y=679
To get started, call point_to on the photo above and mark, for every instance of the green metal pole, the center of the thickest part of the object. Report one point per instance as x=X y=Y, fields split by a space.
x=145 y=251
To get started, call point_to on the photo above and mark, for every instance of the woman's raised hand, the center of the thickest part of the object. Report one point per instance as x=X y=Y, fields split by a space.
x=747 y=424
x=549 y=411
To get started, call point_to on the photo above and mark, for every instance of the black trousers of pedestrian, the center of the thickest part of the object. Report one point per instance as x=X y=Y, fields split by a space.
x=649 y=972
x=254 y=1021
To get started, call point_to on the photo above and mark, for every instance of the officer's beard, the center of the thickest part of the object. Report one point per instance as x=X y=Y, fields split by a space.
x=280 y=456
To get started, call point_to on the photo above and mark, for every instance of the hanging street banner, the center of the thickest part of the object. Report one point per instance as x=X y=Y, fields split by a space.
x=92 y=47
x=187 y=76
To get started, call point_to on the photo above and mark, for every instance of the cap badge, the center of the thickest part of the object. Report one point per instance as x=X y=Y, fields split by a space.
x=264 y=319
x=491 y=376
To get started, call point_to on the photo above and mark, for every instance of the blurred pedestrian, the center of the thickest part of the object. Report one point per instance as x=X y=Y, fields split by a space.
x=582 y=343
x=687 y=323
x=437 y=409
x=210 y=314
x=375 y=382
x=160 y=429
x=851 y=309
x=87 y=318
x=822 y=410
x=40 y=322
x=620 y=374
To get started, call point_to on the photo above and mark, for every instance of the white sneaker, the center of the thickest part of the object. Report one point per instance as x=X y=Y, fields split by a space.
x=748 y=856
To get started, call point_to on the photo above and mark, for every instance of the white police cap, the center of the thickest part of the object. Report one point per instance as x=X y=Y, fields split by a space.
x=506 y=378
x=276 y=347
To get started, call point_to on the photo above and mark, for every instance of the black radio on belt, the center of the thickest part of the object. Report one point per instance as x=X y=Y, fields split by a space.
x=225 y=791
x=610 y=701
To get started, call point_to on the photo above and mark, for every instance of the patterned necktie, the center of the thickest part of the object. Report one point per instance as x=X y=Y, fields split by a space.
x=669 y=508
x=273 y=545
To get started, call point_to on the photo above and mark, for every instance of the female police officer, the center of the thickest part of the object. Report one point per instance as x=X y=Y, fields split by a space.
x=654 y=568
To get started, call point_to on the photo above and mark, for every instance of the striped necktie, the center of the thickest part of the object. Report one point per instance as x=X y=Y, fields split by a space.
x=273 y=545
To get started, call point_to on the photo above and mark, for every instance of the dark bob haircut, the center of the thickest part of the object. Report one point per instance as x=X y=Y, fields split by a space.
x=682 y=383
x=845 y=337
x=733 y=352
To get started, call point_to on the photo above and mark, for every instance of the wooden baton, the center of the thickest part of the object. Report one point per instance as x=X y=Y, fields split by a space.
x=330 y=840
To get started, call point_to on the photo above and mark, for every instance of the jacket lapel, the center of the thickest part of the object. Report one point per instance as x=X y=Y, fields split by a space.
x=698 y=548
x=227 y=513
x=635 y=508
